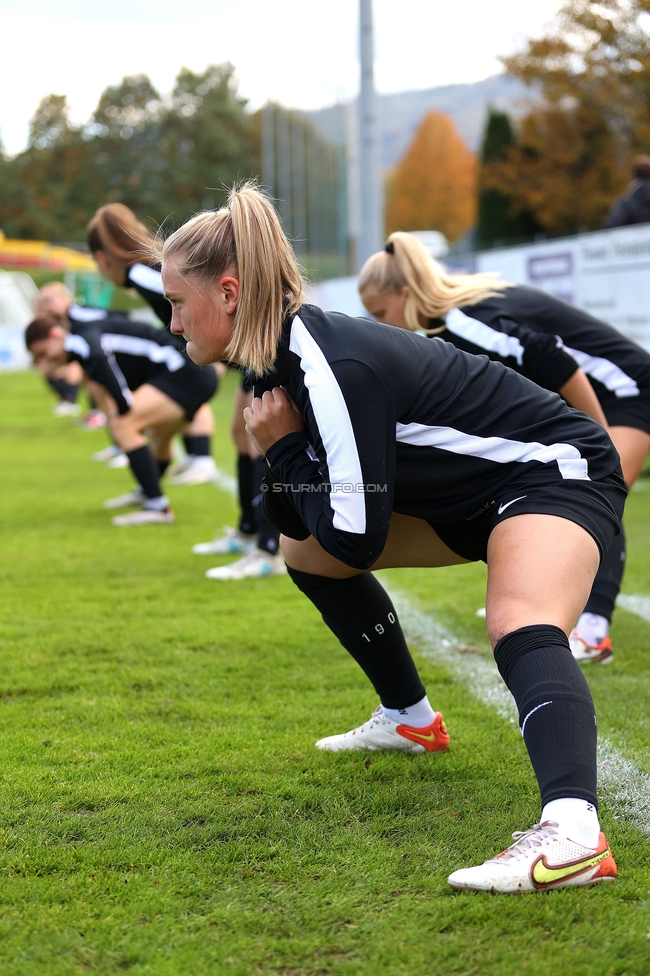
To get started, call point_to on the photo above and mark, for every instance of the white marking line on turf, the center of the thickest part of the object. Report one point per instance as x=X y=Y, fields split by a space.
x=640 y=605
x=625 y=788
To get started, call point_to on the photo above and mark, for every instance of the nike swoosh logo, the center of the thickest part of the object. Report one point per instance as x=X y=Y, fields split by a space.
x=543 y=875
x=502 y=508
x=429 y=737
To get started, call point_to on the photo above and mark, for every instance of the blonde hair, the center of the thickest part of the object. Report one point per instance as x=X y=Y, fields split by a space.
x=51 y=289
x=431 y=291
x=116 y=230
x=245 y=236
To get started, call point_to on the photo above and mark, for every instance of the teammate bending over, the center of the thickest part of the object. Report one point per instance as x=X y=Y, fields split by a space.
x=558 y=346
x=121 y=246
x=392 y=450
x=142 y=380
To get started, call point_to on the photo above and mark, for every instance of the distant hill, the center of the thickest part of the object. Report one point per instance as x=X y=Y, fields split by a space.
x=400 y=114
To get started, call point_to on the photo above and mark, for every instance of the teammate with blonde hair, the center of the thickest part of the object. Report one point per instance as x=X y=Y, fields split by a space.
x=558 y=346
x=386 y=449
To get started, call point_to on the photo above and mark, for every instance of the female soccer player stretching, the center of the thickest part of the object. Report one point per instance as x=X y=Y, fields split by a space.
x=558 y=346
x=386 y=449
x=142 y=381
x=121 y=244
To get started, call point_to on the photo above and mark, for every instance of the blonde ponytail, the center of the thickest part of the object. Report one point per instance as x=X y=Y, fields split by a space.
x=246 y=237
x=431 y=291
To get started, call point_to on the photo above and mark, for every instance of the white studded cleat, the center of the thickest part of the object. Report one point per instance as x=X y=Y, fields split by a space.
x=134 y=497
x=540 y=859
x=146 y=516
x=256 y=563
x=586 y=653
x=201 y=471
x=381 y=732
x=231 y=542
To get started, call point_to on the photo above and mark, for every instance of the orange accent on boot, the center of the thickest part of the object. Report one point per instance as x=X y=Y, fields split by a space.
x=606 y=868
x=434 y=737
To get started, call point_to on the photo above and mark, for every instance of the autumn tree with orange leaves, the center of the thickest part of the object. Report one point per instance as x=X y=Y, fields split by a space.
x=590 y=77
x=433 y=186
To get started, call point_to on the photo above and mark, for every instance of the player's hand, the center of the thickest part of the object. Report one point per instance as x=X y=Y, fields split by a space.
x=271 y=417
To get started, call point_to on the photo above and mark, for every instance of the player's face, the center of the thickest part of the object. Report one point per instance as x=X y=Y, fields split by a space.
x=203 y=313
x=386 y=306
x=49 y=354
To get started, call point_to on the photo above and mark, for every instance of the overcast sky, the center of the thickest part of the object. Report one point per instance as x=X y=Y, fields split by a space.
x=302 y=53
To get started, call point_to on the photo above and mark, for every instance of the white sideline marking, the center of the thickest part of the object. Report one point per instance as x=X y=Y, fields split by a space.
x=625 y=788
x=640 y=605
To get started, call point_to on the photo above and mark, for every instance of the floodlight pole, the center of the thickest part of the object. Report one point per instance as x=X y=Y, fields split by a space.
x=370 y=195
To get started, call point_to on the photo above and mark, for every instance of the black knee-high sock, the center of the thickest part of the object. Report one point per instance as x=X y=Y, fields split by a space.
x=360 y=613
x=245 y=486
x=162 y=466
x=145 y=470
x=198 y=446
x=556 y=711
x=268 y=537
x=608 y=579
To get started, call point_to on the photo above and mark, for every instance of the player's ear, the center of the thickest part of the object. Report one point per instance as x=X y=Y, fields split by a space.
x=229 y=287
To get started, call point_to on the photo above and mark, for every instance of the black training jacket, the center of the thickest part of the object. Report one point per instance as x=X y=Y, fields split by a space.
x=398 y=422
x=122 y=354
x=546 y=339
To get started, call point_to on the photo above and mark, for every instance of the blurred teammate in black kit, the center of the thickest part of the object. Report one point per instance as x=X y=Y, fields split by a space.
x=143 y=379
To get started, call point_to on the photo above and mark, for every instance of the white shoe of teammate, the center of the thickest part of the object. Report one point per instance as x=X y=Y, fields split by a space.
x=135 y=497
x=231 y=542
x=146 y=516
x=256 y=563
x=66 y=409
x=107 y=454
x=540 y=858
x=119 y=461
x=586 y=653
x=381 y=732
x=201 y=471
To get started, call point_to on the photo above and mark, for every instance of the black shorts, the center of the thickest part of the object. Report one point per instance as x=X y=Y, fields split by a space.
x=627 y=411
x=595 y=505
x=191 y=386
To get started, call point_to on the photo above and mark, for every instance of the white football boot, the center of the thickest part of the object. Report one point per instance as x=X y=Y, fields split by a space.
x=145 y=516
x=200 y=471
x=230 y=543
x=540 y=859
x=256 y=563
x=381 y=732
x=134 y=497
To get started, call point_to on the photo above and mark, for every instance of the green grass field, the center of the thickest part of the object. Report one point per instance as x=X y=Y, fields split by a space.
x=164 y=810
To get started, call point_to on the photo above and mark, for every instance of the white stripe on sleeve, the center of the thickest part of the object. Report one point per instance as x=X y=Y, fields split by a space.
x=609 y=374
x=76 y=344
x=335 y=426
x=146 y=277
x=482 y=335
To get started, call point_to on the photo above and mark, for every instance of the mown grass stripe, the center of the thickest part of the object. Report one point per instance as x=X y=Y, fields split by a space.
x=624 y=787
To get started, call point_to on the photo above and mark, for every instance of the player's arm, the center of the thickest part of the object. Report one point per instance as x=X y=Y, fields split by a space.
x=99 y=366
x=579 y=393
x=338 y=473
